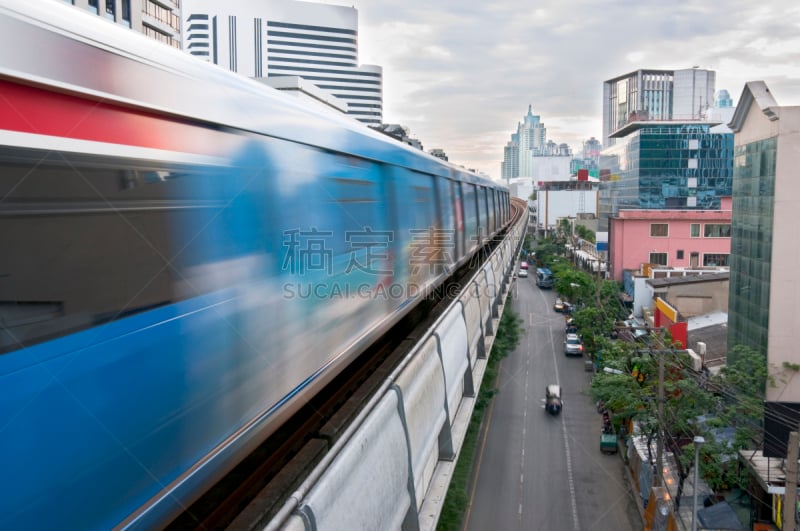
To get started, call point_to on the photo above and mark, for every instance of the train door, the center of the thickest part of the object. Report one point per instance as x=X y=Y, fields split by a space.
x=483 y=218
x=492 y=199
x=458 y=215
x=446 y=218
x=470 y=202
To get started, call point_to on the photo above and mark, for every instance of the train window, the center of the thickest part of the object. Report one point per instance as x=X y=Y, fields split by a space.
x=87 y=240
x=443 y=193
x=423 y=196
x=353 y=207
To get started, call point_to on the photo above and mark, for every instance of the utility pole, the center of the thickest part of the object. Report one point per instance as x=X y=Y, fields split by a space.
x=599 y=282
x=660 y=430
x=790 y=492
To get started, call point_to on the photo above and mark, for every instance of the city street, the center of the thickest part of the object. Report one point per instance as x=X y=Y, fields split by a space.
x=538 y=471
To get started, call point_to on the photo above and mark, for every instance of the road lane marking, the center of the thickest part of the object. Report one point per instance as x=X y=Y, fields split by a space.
x=570 y=478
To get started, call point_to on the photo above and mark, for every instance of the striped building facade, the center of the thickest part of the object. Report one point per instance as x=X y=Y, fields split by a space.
x=279 y=38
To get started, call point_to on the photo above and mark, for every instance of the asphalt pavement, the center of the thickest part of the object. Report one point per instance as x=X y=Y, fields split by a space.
x=534 y=471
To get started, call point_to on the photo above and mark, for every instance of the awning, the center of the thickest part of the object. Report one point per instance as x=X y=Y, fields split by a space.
x=719 y=516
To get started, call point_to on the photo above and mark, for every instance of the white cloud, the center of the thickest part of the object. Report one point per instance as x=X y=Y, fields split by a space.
x=461 y=74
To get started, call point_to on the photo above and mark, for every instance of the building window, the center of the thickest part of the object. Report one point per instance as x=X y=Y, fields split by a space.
x=126 y=12
x=717 y=230
x=658 y=258
x=715 y=259
x=679 y=254
x=660 y=230
x=694 y=230
x=93 y=6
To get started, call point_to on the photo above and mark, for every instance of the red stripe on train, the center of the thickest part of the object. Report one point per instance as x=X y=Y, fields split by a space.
x=30 y=109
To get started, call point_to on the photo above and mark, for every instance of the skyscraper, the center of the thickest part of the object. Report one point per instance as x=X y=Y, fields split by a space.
x=532 y=139
x=273 y=38
x=530 y=155
x=510 y=164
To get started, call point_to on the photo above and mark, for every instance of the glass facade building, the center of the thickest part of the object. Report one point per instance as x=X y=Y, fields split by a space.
x=751 y=244
x=666 y=166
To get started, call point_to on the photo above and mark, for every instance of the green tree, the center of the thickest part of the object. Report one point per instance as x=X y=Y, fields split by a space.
x=743 y=385
x=564 y=230
x=546 y=252
x=577 y=286
x=585 y=233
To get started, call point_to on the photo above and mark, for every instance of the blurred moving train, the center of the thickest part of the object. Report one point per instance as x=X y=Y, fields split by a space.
x=185 y=256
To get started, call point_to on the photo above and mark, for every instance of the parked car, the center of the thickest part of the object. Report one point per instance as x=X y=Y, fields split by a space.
x=558 y=305
x=523 y=273
x=571 y=327
x=523 y=265
x=573 y=346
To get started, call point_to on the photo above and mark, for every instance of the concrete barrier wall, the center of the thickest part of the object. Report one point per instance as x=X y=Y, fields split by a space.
x=484 y=302
x=391 y=470
x=491 y=293
x=454 y=345
x=367 y=484
x=421 y=386
x=472 y=318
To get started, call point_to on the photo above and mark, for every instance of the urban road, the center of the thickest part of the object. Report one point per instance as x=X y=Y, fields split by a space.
x=534 y=471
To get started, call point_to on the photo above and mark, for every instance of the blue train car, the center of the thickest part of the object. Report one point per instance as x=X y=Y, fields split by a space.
x=187 y=256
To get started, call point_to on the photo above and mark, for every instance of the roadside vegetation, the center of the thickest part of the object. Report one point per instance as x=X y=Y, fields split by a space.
x=726 y=409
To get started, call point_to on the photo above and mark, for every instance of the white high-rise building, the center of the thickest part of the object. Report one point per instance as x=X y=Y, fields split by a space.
x=275 y=38
x=532 y=138
x=530 y=155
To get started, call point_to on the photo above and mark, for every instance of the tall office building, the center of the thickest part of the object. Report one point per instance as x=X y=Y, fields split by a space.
x=663 y=149
x=274 y=38
x=532 y=139
x=668 y=95
x=530 y=155
x=764 y=284
x=158 y=20
x=510 y=165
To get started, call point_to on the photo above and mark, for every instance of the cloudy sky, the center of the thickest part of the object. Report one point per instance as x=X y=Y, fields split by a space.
x=461 y=73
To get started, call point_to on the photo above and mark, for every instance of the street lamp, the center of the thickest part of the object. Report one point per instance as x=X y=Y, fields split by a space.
x=698 y=442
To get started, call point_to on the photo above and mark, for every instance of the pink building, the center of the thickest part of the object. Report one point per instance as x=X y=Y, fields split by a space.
x=673 y=238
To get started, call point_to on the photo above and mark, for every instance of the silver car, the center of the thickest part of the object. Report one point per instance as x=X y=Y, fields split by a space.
x=573 y=346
